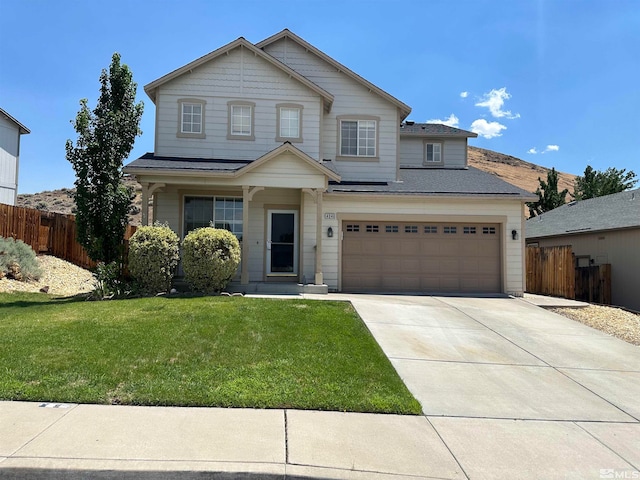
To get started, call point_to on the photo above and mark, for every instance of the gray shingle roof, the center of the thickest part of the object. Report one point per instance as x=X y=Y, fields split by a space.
x=611 y=212
x=440 y=181
x=151 y=162
x=433 y=130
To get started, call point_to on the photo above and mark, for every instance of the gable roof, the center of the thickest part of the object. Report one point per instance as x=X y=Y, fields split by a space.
x=21 y=128
x=404 y=108
x=411 y=129
x=611 y=212
x=151 y=88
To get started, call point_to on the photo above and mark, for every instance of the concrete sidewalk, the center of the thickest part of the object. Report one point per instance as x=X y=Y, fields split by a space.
x=101 y=441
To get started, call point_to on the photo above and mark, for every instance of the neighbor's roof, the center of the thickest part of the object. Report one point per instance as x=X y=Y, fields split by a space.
x=438 y=182
x=404 y=108
x=20 y=126
x=611 y=212
x=151 y=88
x=411 y=129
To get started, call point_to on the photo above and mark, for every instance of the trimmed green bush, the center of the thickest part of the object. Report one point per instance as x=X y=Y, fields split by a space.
x=210 y=258
x=18 y=260
x=153 y=256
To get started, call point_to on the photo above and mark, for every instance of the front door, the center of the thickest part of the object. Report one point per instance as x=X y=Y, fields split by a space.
x=282 y=243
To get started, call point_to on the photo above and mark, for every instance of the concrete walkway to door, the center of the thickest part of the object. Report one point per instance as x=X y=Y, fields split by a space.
x=513 y=390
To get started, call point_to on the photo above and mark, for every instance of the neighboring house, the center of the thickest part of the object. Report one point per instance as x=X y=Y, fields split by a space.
x=319 y=175
x=10 y=131
x=599 y=230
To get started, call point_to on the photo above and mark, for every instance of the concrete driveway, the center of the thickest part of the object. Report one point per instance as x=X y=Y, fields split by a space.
x=514 y=390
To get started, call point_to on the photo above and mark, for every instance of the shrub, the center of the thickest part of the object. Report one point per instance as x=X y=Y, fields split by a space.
x=18 y=260
x=210 y=258
x=153 y=257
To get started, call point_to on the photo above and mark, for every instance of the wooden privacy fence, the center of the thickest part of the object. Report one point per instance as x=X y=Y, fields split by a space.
x=48 y=232
x=552 y=271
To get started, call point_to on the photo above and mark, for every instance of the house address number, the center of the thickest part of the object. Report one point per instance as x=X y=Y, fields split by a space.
x=329 y=216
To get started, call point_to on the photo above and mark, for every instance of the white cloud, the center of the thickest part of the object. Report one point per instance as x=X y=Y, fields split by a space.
x=464 y=94
x=494 y=101
x=549 y=148
x=452 y=121
x=487 y=129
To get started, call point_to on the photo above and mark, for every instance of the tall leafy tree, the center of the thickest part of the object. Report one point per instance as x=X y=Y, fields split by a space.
x=548 y=195
x=105 y=138
x=596 y=183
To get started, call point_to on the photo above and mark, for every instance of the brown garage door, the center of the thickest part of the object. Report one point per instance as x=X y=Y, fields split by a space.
x=420 y=257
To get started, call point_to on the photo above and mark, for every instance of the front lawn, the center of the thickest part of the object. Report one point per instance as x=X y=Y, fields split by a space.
x=206 y=351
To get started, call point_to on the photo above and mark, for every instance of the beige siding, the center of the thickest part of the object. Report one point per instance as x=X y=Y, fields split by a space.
x=352 y=99
x=507 y=214
x=237 y=76
x=454 y=152
x=620 y=248
x=9 y=146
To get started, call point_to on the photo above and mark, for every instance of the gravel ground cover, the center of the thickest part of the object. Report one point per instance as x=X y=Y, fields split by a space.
x=61 y=277
x=613 y=321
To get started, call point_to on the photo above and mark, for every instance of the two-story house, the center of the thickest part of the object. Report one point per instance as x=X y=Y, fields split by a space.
x=318 y=173
x=10 y=132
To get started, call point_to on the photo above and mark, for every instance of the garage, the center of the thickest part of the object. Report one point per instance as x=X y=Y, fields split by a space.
x=421 y=257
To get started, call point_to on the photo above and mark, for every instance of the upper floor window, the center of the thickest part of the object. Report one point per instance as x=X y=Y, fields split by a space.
x=358 y=138
x=191 y=118
x=241 y=120
x=432 y=153
x=289 y=122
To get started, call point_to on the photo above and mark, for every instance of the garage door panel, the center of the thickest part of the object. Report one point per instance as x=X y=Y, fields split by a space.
x=422 y=257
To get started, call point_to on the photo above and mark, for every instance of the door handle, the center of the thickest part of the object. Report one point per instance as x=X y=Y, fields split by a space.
x=268 y=244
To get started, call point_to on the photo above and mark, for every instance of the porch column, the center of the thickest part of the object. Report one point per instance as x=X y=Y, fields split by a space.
x=244 y=275
x=145 y=204
x=147 y=191
x=318 y=277
x=247 y=195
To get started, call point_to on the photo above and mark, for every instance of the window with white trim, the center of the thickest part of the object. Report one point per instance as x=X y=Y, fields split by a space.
x=221 y=212
x=241 y=119
x=289 y=122
x=358 y=138
x=433 y=153
x=191 y=118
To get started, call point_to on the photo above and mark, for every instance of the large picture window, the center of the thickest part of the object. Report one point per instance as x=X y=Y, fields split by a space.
x=358 y=138
x=222 y=212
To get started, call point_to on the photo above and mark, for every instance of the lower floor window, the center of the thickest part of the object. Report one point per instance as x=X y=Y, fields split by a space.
x=221 y=212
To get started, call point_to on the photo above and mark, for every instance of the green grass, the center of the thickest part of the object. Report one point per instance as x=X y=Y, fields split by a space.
x=205 y=351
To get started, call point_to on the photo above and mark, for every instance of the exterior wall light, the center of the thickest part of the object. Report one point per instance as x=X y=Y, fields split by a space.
x=329 y=232
x=514 y=234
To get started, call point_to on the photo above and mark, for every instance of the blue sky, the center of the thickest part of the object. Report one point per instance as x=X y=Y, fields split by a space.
x=552 y=82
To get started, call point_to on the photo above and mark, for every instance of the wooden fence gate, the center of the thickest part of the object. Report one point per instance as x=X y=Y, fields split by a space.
x=550 y=271
x=593 y=284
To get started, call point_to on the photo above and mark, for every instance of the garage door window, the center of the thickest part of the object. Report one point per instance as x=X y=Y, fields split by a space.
x=373 y=228
x=469 y=230
x=488 y=230
x=391 y=228
x=450 y=230
x=353 y=228
x=410 y=229
x=430 y=229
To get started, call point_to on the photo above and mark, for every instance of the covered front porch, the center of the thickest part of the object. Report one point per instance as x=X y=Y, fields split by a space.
x=274 y=205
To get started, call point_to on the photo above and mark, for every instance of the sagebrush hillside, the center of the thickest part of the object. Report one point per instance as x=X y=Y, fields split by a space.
x=510 y=169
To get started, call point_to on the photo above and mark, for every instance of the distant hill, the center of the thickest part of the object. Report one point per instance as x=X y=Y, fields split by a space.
x=514 y=170
x=510 y=169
